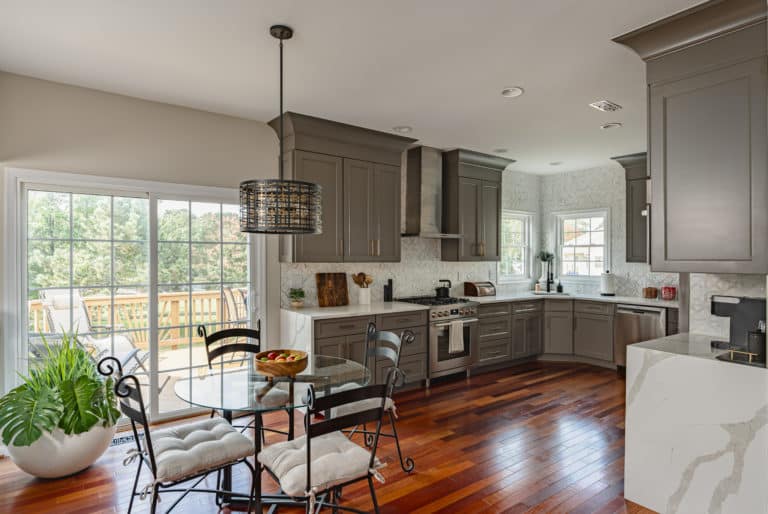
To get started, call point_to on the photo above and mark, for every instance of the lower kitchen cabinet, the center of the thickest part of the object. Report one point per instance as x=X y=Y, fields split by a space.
x=345 y=338
x=526 y=334
x=558 y=332
x=593 y=336
x=492 y=352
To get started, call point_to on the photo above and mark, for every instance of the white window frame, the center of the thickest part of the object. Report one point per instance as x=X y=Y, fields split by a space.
x=528 y=221
x=588 y=213
x=17 y=181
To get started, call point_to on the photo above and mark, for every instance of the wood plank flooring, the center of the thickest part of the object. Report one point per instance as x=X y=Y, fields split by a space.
x=536 y=438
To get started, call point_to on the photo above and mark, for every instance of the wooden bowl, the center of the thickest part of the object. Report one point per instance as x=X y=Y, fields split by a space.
x=283 y=368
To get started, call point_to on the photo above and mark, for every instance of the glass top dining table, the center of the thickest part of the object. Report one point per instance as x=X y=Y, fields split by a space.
x=244 y=389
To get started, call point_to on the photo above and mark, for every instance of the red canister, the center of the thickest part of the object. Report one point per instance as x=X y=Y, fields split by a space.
x=668 y=292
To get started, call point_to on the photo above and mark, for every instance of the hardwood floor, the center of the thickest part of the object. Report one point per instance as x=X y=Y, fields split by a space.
x=539 y=437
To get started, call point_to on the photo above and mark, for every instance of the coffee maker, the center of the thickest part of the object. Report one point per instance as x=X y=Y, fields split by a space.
x=746 y=341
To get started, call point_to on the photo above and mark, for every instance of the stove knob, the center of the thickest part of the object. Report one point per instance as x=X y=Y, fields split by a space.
x=434 y=314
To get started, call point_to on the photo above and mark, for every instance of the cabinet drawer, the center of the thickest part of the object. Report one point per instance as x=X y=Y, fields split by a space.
x=533 y=306
x=494 y=309
x=588 y=307
x=493 y=351
x=558 y=305
x=401 y=320
x=342 y=327
x=494 y=328
x=419 y=344
x=414 y=367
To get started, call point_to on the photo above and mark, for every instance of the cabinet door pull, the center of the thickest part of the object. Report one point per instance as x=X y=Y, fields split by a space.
x=346 y=326
x=378 y=248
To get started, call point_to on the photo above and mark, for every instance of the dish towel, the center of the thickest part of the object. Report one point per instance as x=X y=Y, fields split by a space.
x=456 y=337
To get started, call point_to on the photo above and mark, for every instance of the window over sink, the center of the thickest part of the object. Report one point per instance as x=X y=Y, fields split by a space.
x=583 y=248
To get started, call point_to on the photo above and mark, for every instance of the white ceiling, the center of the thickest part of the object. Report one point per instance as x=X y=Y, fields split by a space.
x=437 y=65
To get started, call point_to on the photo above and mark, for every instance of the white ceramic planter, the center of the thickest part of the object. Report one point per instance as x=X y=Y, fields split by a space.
x=365 y=296
x=56 y=454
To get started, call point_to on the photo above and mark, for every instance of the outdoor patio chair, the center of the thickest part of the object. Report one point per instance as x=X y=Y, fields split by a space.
x=67 y=312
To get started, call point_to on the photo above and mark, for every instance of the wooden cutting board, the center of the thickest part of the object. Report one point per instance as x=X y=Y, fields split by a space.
x=332 y=289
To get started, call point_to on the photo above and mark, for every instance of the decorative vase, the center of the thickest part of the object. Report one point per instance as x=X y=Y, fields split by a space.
x=365 y=296
x=57 y=455
x=297 y=304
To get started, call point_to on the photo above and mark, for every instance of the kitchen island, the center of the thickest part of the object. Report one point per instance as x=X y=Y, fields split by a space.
x=696 y=429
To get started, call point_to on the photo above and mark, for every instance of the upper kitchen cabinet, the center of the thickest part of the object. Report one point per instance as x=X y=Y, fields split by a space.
x=359 y=171
x=472 y=205
x=707 y=155
x=636 y=173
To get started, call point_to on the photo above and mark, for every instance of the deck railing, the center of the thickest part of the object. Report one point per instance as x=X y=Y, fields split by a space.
x=177 y=312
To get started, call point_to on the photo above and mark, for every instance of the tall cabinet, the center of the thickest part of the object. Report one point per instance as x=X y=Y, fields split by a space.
x=636 y=173
x=706 y=70
x=472 y=205
x=359 y=171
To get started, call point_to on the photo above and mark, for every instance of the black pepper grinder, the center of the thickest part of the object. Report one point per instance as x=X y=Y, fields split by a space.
x=388 y=291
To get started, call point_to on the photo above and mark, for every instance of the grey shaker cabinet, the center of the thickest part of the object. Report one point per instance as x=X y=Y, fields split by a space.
x=558 y=332
x=327 y=171
x=708 y=171
x=358 y=211
x=707 y=137
x=593 y=336
x=469 y=219
x=386 y=212
x=371 y=212
x=526 y=334
x=472 y=205
x=359 y=171
x=636 y=172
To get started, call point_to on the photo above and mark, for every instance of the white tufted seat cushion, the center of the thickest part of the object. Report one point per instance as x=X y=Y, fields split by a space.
x=188 y=449
x=335 y=460
x=362 y=405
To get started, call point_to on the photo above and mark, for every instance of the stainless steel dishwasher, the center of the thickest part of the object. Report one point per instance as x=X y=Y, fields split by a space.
x=635 y=324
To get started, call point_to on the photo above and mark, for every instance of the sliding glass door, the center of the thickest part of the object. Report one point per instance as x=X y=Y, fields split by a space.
x=134 y=276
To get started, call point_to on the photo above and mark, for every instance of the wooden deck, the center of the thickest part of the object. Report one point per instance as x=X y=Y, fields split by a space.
x=539 y=437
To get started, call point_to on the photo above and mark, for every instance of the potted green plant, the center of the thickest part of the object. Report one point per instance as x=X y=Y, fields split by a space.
x=296 y=295
x=62 y=418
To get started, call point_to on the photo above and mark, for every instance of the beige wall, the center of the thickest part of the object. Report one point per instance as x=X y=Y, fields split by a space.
x=55 y=127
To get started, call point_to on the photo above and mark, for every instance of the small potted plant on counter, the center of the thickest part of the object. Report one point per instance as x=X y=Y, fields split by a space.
x=363 y=281
x=62 y=418
x=296 y=295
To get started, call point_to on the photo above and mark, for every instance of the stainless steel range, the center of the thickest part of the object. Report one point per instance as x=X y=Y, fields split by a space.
x=446 y=316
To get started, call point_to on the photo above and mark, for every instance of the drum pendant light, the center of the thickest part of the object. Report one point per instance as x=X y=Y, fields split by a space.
x=269 y=206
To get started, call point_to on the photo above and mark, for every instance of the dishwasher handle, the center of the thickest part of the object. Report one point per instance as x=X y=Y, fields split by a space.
x=640 y=309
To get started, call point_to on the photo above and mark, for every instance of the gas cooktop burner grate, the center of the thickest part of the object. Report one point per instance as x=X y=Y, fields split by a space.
x=432 y=300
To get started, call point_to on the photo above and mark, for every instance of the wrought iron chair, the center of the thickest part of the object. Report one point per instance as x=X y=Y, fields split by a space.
x=229 y=342
x=178 y=454
x=381 y=347
x=313 y=468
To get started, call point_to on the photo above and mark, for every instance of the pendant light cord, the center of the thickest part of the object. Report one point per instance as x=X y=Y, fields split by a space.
x=281 y=109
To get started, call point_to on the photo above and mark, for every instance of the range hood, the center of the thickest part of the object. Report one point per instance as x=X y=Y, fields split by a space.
x=422 y=194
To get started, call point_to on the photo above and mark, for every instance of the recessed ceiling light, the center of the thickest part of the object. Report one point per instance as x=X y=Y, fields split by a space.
x=613 y=125
x=500 y=150
x=403 y=129
x=605 y=106
x=512 y=92
x=556 y=163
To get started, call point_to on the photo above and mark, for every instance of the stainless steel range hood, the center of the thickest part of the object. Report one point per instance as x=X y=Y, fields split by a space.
x=422 y=194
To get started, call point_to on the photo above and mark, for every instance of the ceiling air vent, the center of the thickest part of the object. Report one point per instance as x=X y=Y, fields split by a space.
x=605 y=106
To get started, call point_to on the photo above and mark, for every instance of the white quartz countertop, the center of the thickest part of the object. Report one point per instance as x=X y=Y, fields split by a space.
x=630 y=300
x=686 y=344
x=355 y=310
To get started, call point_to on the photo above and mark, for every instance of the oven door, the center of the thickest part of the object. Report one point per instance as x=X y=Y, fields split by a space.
x=441 y=360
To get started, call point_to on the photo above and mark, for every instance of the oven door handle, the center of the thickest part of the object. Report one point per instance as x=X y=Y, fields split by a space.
x=466 y=322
